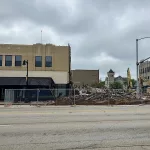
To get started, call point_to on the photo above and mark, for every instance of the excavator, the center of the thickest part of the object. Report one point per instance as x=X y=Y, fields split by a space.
x=129 y=81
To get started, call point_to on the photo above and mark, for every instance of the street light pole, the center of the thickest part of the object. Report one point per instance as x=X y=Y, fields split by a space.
x=27 y=73
x=137 y=70
x=25 y=62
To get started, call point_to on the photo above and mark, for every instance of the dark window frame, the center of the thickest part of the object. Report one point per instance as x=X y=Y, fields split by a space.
x=139 y=71
x=48 y=62
x=8 y=63
x=1 y=60
x=18 y=63
x=37 y=62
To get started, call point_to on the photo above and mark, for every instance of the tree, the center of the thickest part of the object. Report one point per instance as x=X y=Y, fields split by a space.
x=125 y=83
x=116 y=85
x=99 y=85
x=133 y=82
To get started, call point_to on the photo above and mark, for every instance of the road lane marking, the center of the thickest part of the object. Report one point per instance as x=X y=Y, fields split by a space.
x=4 y=125
x=73 y=111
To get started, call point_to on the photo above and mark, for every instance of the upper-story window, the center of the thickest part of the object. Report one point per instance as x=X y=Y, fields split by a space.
x=38 y=61
x=8 y=60
x=48 y=61
x=1 y=57
x=18 y=60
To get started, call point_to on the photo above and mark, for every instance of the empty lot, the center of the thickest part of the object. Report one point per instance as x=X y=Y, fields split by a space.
x=80 y=127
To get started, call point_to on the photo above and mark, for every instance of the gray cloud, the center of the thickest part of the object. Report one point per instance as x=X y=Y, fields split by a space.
x=102 y=33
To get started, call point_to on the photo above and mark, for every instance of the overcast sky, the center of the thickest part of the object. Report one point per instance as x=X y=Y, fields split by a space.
x=101 y=33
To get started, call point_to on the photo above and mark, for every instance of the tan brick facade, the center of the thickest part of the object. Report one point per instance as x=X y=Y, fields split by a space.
x=85 y=77
x=60 y=56
x=60 y=59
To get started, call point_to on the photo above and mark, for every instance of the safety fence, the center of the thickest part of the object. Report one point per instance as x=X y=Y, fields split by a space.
x=71 y=97
x=38 y=96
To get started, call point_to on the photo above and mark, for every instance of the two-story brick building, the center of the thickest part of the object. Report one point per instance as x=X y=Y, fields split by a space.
x=144 y=70
x=48 y=65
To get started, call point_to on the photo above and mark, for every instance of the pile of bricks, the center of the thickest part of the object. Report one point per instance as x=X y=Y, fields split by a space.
x=104 y=97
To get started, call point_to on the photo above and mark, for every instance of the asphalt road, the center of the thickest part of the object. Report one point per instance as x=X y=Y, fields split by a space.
x=80 y=127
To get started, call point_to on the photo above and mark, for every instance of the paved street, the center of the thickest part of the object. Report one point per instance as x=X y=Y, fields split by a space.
x=80 y=127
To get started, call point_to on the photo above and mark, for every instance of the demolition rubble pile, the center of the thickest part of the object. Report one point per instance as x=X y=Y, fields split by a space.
x=102 y=97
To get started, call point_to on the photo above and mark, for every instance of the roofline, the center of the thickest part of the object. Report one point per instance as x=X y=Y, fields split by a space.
x=11 y=44
x=84 y=70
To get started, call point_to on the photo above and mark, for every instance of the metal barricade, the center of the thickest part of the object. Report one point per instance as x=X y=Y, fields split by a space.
x=38 y=96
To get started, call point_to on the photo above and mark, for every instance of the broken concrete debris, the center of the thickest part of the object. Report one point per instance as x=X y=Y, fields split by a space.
x=95 y=96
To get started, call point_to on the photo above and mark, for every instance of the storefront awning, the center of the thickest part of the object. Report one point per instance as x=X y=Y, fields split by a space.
x=34 y=81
